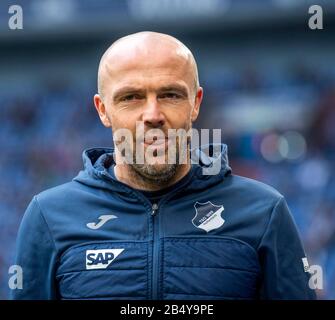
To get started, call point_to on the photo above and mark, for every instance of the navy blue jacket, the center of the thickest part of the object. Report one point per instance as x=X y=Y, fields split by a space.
x=210 y=237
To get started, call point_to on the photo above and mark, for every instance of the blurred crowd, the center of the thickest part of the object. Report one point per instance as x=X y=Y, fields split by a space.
x=44 y=132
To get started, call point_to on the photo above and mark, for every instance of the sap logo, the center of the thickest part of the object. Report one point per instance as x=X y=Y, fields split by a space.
x=101 y=259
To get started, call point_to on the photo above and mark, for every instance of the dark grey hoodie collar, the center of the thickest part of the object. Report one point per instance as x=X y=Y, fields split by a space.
x=97 y=162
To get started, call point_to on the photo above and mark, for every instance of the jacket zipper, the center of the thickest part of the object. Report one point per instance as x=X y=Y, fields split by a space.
x=155 y=247
x=155 y=251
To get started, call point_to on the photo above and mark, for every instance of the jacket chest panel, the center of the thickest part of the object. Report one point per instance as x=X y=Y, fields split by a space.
x=187 y=268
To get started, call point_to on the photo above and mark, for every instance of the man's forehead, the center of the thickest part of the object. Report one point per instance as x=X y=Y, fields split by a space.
x=147 y=52
x=160 y=85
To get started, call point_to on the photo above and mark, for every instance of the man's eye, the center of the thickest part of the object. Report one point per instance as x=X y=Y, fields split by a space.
x=170 y=95
x=131 y=97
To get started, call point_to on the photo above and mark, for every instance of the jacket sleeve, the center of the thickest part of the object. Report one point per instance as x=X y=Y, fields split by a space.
x=281 y=252
x=36 y=255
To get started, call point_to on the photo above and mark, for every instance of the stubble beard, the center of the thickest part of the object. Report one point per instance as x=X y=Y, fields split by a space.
x=156 y=174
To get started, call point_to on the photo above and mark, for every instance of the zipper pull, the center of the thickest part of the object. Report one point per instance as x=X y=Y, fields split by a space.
x=154 y=209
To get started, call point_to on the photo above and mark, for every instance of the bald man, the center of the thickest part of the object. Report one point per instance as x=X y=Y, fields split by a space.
x=152 y=78
x=134 y=224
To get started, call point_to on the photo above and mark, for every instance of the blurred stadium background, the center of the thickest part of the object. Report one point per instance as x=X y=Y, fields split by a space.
x=269 y=83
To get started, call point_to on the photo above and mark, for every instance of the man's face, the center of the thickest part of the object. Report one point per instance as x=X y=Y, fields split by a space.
x=155 y=88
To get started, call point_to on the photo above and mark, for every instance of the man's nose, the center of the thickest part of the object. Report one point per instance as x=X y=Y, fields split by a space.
x=152 y=115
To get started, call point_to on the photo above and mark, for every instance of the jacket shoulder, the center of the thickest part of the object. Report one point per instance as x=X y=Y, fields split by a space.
x=62 y=192
x=255 y=189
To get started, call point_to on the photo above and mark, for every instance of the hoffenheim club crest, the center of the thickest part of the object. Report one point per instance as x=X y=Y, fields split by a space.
x=208 y=216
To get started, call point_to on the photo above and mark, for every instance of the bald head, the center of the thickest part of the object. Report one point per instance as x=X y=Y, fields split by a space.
x=142 y=50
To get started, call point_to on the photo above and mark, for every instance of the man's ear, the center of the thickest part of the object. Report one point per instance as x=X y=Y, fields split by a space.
x=100 y=106
x=197 y=103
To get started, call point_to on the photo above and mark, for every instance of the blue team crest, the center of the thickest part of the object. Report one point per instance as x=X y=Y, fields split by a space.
x=208 y=216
